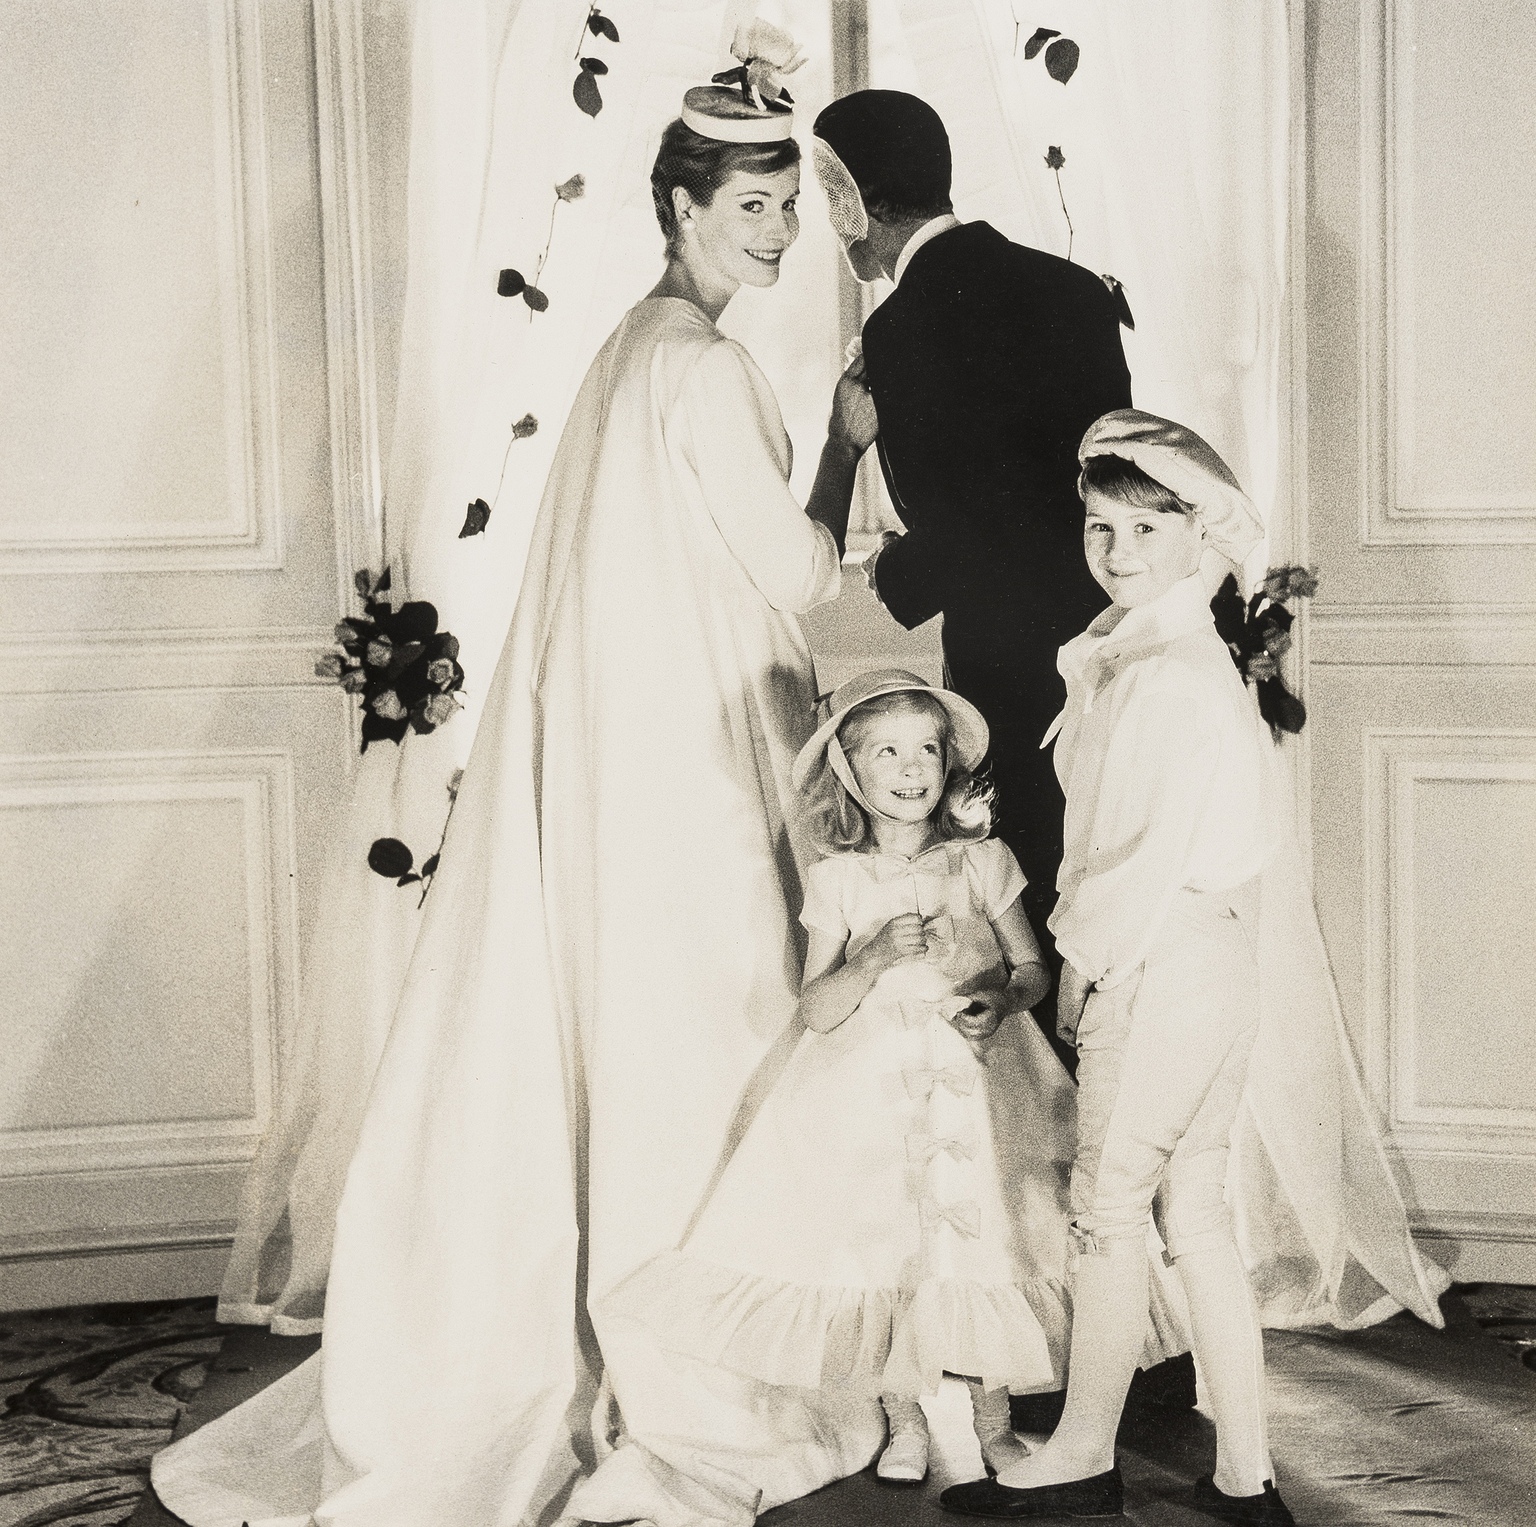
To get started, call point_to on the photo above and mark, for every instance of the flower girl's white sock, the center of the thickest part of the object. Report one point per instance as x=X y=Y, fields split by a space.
x=1000 y=1448
x=1229 y=1347
x=1109 y=1333
x=905 y=1459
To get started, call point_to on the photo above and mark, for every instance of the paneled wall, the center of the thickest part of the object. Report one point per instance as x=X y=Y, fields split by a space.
x=180 y=379
x=1421 y=463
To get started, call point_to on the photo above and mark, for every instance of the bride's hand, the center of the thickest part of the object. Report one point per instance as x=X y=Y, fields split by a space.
x=854 y=421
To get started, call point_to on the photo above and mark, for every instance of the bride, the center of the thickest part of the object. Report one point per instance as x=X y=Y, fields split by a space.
x=607 y=961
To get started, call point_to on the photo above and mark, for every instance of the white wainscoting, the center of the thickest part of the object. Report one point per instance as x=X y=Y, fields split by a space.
x=191 y=478
x=167 y=280
x=1448 y=289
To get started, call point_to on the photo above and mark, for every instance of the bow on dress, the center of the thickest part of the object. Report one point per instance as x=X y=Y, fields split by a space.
x=921 y=1149
x=964 y=1216
x=958 y=1081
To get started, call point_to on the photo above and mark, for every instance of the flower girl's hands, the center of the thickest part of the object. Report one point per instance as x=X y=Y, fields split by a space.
x=980 y=1019
x=903 y=938
x=854 y=422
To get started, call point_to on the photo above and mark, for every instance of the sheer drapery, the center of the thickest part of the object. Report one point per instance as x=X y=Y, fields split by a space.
x=493 y=130
x=1174 y=132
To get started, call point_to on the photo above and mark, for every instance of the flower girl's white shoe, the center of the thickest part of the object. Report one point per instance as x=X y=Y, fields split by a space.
x=905 y=1459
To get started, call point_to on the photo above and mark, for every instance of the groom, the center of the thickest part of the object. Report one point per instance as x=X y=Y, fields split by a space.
x=986 y=365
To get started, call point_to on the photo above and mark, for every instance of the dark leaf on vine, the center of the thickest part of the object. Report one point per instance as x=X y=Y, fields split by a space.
x=362 y=581
x=1121 y=304
x=415 y=622
x=535 y=299
x=1054 y=158
x=586 y=93
x=475 y=518
x=408 y=879
x=382 y=586
x=430 y=867
x=1061 y=59
x=390 y=858
x=1042 y=36
x=1279 y=707
x=594 y=66
x=573 y=189
x=524 y=427
x=600 y=26
x=1227 y=613
x=510 y=283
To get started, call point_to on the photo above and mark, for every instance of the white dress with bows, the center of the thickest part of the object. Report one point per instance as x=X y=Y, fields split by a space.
x=897 y=1208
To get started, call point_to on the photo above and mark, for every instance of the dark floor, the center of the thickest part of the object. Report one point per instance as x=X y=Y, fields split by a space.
x=1378 y=1428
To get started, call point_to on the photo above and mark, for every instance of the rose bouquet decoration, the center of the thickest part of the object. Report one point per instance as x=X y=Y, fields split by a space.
x=1258 y=635
x=405 y=671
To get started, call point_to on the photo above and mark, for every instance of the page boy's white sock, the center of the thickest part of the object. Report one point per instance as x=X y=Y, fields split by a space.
x=1229 y=1348
x=1109 y=1333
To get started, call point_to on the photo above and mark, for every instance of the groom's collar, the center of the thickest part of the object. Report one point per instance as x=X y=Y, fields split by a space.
x=930 y=230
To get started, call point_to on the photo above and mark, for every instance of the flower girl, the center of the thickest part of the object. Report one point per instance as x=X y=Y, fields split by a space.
x=896 y=1210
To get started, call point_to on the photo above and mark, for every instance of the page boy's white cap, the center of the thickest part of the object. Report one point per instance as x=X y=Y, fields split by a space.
x=757 y=109
x=967 y=723
x=1187 y=467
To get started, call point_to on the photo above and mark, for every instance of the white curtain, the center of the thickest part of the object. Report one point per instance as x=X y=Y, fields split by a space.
x=1174 y=131
x=1175 y=135
x=493 y=130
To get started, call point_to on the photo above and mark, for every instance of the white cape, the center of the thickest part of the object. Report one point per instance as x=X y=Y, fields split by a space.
x=606 y=963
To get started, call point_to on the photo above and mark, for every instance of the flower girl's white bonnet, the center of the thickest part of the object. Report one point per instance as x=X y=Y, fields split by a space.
x=967 y=724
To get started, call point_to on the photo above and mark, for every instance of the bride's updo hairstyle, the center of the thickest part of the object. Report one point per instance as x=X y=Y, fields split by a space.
x=838 y=824
x=702 y=165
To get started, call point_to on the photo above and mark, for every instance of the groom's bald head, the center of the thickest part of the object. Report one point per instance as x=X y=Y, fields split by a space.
x=894 y=147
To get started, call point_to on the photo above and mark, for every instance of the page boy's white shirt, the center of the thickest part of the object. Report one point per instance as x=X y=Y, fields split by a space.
x=1159 y=752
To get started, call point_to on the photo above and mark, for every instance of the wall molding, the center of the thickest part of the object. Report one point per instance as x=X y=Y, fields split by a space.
x=1388 y=516
x=342 y=117
x=262 y=783
x=1395 y=763
x=1421 y=635
x=95 y=662
x=249 y=534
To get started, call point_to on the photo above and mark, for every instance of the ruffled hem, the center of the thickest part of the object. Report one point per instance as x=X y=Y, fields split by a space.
x=891 y=1340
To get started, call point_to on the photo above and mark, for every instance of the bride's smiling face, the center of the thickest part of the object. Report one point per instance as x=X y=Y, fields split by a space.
x=742 y=234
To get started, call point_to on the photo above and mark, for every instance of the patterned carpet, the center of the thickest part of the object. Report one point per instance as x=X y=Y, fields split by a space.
x=1506 y=1313
x=86 y=1397
x=1372 y=1428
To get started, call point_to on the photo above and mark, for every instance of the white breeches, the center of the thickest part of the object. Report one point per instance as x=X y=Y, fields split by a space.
x=1162 y=1061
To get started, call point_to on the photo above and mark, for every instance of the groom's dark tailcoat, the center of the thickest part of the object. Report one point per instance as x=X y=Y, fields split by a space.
x=987 y=364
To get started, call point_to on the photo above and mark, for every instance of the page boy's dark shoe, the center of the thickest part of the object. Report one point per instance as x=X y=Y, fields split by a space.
x=1102 y=1495
x=1263 y=1510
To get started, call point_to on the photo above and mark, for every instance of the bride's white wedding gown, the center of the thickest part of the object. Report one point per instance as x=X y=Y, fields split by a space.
x=606 y=963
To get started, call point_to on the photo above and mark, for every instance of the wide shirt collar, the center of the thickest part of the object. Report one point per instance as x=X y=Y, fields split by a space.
x=928 y=232
x=1087 y=661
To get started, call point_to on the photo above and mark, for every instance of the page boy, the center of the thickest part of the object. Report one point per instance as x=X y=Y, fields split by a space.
x=1160 y=753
